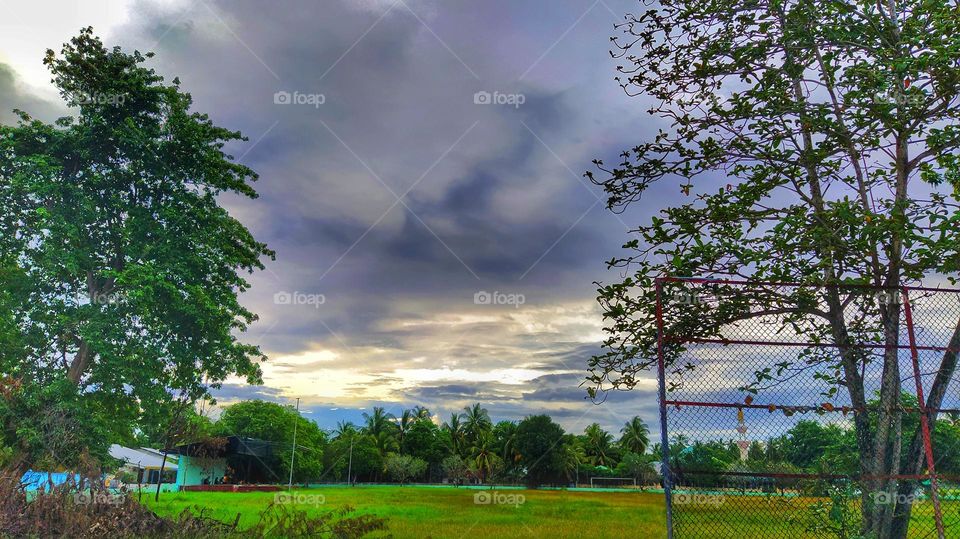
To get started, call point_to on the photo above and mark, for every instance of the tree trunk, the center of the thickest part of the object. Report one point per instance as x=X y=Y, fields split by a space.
x=163 y=463
x=79 y=363
x=915 y=454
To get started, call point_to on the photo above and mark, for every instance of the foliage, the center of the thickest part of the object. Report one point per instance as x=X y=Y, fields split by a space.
x=598 y=445
x=52 y=427
x=275 y=423
x=816 y=143
x=836 y=516
x=424 y=441
x=404 y=467
x=455 y=468
x=635 y=436
x=639 y=467
x=356 y=453
x=97 y=513
x=538 y=440
x=123 y=269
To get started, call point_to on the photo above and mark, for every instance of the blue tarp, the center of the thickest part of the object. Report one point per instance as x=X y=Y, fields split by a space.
x=33 y=481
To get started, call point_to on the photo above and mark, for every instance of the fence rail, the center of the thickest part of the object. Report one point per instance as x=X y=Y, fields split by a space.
x=768 y=392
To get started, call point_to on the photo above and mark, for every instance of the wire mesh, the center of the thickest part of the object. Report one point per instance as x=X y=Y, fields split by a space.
x=764 y=424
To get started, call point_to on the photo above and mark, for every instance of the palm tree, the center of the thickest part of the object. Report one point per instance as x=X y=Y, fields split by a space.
x=635 y=436
x=597 y=445
x=476 y=420
x=572 y=456
x=507 y=437
x=386 y=443
x=455 y=428
x=379 y=421
x=421 y=412
x=344 y=429
x=484 y=455
x=404 y=424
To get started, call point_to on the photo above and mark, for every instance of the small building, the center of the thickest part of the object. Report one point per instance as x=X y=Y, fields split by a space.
x=225 y=463
x=145 y=464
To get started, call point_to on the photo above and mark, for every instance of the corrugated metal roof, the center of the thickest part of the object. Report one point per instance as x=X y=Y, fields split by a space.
x=142 y=457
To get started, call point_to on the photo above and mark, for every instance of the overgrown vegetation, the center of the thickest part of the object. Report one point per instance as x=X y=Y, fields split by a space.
x=89 y=511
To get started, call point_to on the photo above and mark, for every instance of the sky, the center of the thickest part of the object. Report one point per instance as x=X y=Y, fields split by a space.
x=421 y=182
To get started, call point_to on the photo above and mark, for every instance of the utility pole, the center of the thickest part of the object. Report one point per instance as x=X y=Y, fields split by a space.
x=350 y=463
x=293 y=452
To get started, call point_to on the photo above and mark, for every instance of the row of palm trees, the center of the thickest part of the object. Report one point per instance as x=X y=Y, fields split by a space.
x=486 y=447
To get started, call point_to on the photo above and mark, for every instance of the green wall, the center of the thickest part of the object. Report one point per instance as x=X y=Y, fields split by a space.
x=192 y=470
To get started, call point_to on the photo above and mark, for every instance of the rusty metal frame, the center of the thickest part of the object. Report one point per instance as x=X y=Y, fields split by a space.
x=664 y=402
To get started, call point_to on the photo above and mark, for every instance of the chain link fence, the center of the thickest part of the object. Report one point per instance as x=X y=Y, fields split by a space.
x=771 y=392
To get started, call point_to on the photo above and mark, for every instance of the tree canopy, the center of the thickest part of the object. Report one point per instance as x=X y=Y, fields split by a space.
x=816 y=143
x=120 y=268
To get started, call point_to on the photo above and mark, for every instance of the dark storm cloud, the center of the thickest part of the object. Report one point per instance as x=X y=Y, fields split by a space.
x=491 y=197
x=13 y=96
x=446 y=391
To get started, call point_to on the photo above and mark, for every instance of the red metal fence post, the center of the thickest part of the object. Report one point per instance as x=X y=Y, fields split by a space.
x=662 y=394
x=924 y=418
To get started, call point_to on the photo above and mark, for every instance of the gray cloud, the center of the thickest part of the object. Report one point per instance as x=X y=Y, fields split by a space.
x=495 y=202
x=14 y=96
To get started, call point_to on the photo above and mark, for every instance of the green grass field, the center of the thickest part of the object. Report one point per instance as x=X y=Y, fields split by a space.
x=451 y=512
x=441 y=512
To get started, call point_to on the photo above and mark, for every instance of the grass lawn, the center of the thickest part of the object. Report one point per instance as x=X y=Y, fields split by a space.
x=441 y=512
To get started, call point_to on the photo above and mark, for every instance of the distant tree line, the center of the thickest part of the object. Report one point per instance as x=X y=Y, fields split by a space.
x=415 y=447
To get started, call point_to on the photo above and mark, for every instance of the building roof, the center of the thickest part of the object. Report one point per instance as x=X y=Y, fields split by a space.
x=142 y=457
x=227 y=446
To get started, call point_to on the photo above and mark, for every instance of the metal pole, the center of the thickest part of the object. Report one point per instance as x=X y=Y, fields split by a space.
x=350 y=462
x=293 y=451
x=662 y=397
x=924 y=420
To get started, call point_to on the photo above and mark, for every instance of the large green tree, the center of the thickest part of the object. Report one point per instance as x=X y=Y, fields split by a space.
x=539 y=441
x=275 y=423
x=123 y=267
x=816 y=142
